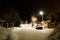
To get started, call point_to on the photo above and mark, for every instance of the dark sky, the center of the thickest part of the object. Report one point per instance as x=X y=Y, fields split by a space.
x=27 y=7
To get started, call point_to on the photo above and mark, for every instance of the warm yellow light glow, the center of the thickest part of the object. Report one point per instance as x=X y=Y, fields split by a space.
x=34 y=19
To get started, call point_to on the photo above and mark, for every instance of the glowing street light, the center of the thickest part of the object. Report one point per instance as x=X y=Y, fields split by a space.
x=41 y=13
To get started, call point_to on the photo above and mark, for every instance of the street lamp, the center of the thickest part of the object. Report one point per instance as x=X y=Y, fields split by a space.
x=41 y=13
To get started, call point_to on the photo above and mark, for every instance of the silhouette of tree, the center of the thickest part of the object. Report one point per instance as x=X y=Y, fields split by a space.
x=12 y=16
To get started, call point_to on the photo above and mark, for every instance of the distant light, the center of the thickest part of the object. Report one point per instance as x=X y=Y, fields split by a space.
x=34 y=19
x=41 y=13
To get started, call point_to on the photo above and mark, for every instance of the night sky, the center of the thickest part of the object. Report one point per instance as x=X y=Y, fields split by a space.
x=27 y=7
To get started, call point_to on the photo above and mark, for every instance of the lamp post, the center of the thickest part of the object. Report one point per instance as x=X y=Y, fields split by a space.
x=41 y=13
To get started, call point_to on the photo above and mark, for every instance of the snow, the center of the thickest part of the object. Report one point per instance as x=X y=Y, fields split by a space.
x=29 y=33
x=55 y=35
x=26 y=33
x=4 y=32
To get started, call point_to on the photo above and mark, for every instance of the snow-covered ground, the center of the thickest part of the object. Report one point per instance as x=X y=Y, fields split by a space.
x=29 y=33
x=26 y=33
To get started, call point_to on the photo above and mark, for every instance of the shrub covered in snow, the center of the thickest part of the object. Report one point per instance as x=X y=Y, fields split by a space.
x=5 y=33
x=55 y=34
